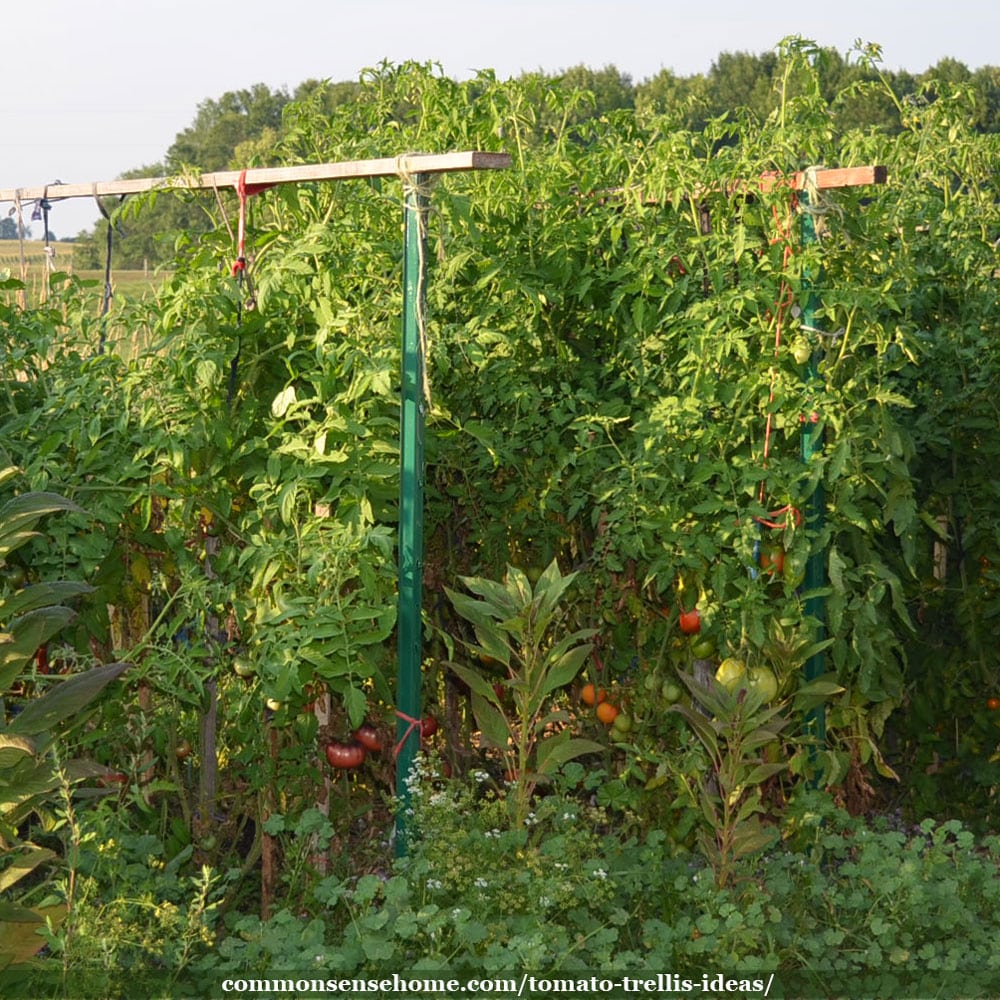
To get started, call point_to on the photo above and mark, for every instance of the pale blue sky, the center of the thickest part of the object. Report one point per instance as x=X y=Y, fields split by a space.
x=105 y=86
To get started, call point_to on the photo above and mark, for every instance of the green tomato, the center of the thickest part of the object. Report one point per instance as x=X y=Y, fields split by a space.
x=622 y=723
x=794 y=570
x=703 y=649
x=731 y=673
x=243 y=668
x=763 y=682
x=801 y=351
x=671 y=692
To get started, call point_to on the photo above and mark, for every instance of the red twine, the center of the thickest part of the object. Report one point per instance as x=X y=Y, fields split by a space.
x=770 y=522
x=243 y=192
x=414 y=724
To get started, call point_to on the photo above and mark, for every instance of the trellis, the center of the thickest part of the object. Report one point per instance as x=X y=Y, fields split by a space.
x=415 y=170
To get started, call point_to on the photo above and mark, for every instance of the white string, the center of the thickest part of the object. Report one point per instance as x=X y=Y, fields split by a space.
x=22 y=298
x=815 y=204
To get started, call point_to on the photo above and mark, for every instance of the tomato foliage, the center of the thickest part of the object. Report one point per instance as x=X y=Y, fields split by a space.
x=615 y=343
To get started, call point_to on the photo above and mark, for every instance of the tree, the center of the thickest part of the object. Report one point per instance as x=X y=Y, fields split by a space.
x=220 y=126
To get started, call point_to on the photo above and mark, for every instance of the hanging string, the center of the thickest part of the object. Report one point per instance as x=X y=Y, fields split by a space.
x=240 y=272
x=784 y=304
x=42 y=208
x=109 y=247
x=19 y=213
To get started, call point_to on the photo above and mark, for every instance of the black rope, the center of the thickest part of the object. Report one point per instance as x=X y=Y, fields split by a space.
x=108 y=293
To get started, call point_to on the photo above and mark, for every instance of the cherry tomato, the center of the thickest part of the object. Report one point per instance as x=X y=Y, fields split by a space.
x=591 y=695
x=993 y=704
x=607 y=713
x=428 y=726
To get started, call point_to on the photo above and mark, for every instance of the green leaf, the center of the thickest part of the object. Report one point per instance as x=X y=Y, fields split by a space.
x=762 y=772
x=25 y=635
x=492 y=724
x=40 y=595
x=476 y=682
x=13 y=749
x=24 y=863
x=29 y=507
x=560 y=674
x=66 y=699
x=13 y=914
x=553 y=752
x=702 y=727
x=751 y=838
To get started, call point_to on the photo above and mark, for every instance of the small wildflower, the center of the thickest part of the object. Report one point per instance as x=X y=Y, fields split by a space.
x=480 y=883
x=600 y=873
x=433 y=883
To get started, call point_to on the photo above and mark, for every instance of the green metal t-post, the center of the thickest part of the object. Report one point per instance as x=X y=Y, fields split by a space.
x=411 y=502
x=812 y=442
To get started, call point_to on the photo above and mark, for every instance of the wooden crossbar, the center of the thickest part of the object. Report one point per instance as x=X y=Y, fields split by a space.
x=825 y=178
x=411 y=164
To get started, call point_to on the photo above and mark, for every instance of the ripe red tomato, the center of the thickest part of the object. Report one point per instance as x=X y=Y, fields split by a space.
x=428 y=726
x=772 y=560
x=368 y=736
x=993 y=704
x=345 y=756
x=690 y=622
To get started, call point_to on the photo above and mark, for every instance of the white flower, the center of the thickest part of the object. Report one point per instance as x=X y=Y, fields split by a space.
x=600 y=873
x=433 y=883
x=480 y=883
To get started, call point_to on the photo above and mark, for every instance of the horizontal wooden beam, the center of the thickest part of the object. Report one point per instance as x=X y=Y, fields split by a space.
x=396 y=166
x=825 y=178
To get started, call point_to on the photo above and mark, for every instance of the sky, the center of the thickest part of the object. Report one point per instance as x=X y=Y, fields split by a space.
x=104 y=87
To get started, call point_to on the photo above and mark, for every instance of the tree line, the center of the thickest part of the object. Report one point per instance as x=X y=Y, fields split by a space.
x=240 y=128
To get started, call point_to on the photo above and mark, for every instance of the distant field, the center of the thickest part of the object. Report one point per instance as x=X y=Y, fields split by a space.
x=128 y=283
